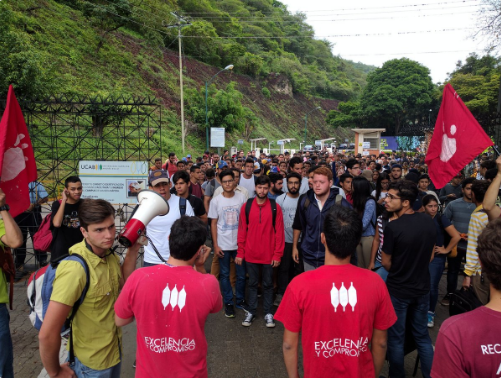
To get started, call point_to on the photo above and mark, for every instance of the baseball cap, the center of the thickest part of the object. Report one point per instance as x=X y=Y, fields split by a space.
x=459 y=175
x=158 y=176
x=188 y=156
x=221 y=164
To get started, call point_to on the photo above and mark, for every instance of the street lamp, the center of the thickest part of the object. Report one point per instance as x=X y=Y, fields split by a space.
x=228 y=67
x=306 y=122
x=429 y=118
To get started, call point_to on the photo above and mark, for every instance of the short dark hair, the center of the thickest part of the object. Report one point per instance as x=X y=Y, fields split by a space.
x=424 y=176
x=263 y=180
x=209 y=172
x=236 y=170
x=479 y=188
x=350 y=163
x=71 y=180
x=345 y=176
x=295 y=160
x=294 y=175
x=187 y=235
x=342 y=230
x=193 y=168
x=491 y=173
x=226 y=172
x=92 y=211
x=466 y=181
x=180 y=162
x=429 y=198
x=181 y=175
x=274 y=177
x=249 y=160
x=407 y=190
x=158 y=159
x=489 y=252
x=312 y=168
x=489 y=164
x=171 y=154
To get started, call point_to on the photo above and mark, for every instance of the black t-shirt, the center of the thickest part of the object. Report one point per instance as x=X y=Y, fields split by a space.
x=69 y=233
x=197 y=205
x=409 y=240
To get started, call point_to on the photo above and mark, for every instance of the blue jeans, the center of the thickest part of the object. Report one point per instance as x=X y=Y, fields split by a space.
x=83 y=371
x=380 y=270
x=437 y=267
x=6 y=353
x=417 y=311
x=224 y=273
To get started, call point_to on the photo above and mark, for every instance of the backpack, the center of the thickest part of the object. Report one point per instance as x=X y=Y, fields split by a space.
x=273 y=204
x=40 y=286
x=42 y=239
x=7 y=265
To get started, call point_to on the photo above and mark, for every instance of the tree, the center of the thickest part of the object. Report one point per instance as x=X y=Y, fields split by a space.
x=489 y=23
x=477 y=82
x=399 y=92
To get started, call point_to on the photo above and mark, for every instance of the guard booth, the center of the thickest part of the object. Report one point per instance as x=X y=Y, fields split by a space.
x=368 y=141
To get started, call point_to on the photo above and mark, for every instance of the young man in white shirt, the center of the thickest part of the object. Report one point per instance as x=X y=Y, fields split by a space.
x=224 y=212
x=158 y=230
x=247 y=178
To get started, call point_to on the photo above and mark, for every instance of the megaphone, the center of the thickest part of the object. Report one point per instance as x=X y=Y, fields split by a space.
x=151 y=204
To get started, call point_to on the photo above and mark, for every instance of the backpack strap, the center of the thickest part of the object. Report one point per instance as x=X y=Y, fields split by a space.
x=339 y=199
x=273 y=204
x=306 y=204
x=69 y=321
x=182 y=205
x=248 y=206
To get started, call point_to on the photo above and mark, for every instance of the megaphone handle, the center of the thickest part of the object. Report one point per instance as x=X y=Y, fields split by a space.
x=155 y=248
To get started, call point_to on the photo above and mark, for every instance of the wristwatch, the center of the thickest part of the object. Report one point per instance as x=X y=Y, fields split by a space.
x=4 y=208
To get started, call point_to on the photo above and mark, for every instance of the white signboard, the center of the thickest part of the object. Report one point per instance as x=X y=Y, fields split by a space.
x=217 y=137
x=318 y=143
x=280 y=142
x=365 y=153
x=366 y=145
x=117 y=182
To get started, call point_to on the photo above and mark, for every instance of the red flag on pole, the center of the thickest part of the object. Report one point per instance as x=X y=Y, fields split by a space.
x=17 y=161
x=457 y=139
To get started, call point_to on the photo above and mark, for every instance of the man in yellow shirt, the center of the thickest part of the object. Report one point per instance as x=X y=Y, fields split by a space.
x=96 y=339
x=10 y=235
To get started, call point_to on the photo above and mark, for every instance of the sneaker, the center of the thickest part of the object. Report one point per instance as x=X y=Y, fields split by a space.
x=249 y=318
x=445 y=300
x=243 y=306
x=134 y=364
x=431 y=319
x=269 y=321
x=229 y=311
x=278 y=300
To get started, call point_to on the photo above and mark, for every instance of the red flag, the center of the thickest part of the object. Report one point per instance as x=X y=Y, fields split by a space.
x=17 y=161
x=457 y=139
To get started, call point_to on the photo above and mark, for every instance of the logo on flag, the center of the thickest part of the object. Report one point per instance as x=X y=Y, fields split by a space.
x=457 y=139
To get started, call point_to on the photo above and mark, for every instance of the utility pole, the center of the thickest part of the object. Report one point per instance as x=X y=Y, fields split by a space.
x=181 y=22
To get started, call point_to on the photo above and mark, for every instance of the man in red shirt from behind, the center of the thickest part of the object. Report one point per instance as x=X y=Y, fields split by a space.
x=170 y=303
x=468 y=345
x=342 y=311
x=261 y=244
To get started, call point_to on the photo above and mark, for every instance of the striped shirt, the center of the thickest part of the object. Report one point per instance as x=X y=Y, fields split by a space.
x=478 y=222
x=381 y=235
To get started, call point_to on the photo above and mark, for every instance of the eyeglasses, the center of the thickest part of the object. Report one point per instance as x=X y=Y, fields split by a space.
x=392 y=197
x=227 y=182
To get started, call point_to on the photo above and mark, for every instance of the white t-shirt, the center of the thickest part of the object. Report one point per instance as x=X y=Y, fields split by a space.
x=381 y=195
x=249 y=185
x=158 y=230
x=238 y=189
x=227 y=213
x=288 y=206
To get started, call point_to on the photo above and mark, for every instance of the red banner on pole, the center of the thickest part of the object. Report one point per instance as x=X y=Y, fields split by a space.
x=17 y=161
x=457 y=139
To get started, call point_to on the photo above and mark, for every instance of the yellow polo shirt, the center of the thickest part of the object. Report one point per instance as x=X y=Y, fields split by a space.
x=97 y=340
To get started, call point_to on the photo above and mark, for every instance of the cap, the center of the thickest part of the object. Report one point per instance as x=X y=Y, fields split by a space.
x=264 y=161
x=459 y=175
x=158 y=176
x=256 y=166
x=188 y=156
x=221 y=164
x=396 y=166
x=274 y=170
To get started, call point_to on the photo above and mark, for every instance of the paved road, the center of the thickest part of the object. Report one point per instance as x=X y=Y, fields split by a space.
x=234 y=351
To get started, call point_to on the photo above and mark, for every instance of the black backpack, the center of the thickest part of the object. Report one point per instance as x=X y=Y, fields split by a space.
x=273 y=204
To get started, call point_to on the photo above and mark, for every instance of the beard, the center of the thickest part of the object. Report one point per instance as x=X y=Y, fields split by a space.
x=293 y=190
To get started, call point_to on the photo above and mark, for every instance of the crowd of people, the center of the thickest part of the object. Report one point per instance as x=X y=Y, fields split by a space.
x=347 y=251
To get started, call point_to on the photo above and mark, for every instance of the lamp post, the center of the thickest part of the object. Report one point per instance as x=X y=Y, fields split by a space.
x=306 y=122
x=207 y=83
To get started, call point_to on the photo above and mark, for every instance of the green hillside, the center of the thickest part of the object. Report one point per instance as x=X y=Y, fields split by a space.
x=124 y=47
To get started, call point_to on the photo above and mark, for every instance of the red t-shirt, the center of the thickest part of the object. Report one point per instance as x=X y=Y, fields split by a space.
x=171 y=305
x=336 y=308
x=469 y=345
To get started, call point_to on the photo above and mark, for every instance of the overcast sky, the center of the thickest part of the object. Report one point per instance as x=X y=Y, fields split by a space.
x=387 y=30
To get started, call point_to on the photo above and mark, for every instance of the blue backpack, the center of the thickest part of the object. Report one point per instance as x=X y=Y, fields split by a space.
x=40 y=286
